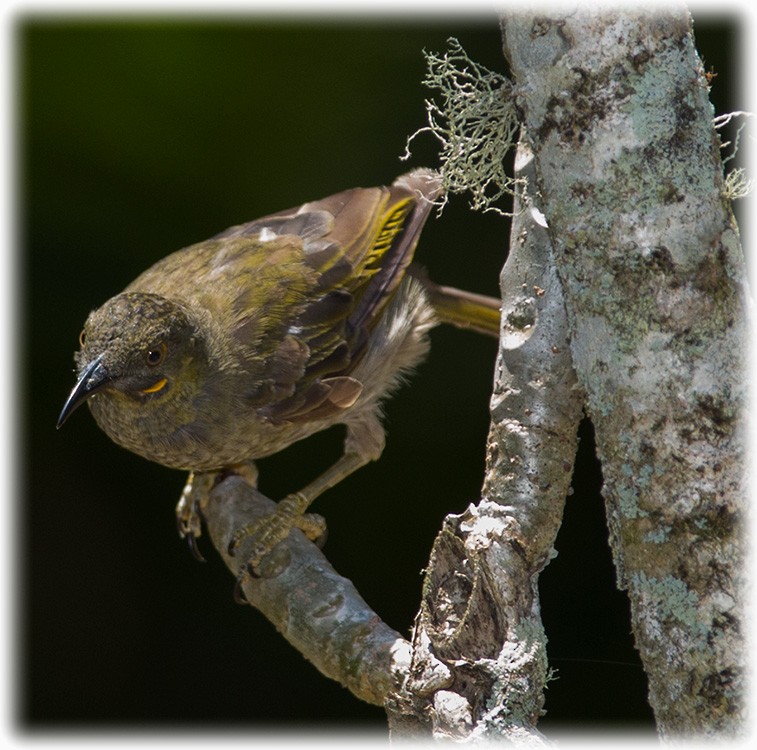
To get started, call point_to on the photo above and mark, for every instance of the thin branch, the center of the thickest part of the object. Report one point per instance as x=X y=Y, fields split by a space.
x=318 y=611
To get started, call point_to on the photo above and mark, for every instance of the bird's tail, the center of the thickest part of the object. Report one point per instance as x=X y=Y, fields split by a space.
x=463 y=309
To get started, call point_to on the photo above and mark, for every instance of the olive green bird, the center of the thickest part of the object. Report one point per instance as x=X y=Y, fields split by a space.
x=234 y=348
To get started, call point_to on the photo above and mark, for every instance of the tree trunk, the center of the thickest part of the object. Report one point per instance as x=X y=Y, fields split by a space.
x=630 y=179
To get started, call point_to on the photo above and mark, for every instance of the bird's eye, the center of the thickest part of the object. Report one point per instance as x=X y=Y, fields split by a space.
x=82 y=338
x=155 y=355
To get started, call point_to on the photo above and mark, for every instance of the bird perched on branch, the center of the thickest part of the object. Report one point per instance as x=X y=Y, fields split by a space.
x=234 y=348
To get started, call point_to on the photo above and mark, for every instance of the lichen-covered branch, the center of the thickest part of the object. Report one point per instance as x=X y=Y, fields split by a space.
x=479 y=651
x=318 y=611
x=631 y=182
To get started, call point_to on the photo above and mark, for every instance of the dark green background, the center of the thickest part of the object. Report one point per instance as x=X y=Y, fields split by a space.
x=140 y=136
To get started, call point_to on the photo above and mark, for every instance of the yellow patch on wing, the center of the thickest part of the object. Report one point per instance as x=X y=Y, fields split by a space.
x=391 y=226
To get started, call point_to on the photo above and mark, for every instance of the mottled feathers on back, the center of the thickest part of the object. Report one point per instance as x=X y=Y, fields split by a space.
x=300 y=291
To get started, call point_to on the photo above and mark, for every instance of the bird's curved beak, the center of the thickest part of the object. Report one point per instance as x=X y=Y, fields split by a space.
x=94 y=377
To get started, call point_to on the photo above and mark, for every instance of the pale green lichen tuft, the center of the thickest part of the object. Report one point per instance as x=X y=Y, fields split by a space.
x=737 y=184
x=476 y=124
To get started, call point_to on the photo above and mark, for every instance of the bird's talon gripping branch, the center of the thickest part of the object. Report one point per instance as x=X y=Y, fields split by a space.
x=268 y=531
x=193 y=548
x=239 y=596
x=313 y=526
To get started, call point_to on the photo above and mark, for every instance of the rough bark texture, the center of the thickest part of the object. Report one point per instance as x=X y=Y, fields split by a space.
x=479 y=652
x=616 y=108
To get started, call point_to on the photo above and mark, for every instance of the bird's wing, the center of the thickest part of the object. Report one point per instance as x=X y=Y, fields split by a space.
x=359 y=243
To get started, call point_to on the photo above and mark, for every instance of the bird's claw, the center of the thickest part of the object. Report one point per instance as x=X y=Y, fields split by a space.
x=194 y=548
x=189 y=526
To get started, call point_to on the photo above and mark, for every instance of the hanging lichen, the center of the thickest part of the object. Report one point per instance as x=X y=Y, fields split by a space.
x=475 y=122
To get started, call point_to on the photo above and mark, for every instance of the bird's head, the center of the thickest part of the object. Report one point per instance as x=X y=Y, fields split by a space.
x=137 y=350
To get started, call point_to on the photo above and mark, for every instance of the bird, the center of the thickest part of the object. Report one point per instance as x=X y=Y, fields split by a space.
x=234 y=348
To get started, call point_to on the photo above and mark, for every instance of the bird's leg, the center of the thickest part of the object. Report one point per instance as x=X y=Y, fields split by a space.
x=364 y=443
x=268 y=531
x=193 y=497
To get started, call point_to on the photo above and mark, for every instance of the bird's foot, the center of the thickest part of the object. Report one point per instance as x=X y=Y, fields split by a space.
x=196 y=493
x=188 y=515
x=270 y=530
